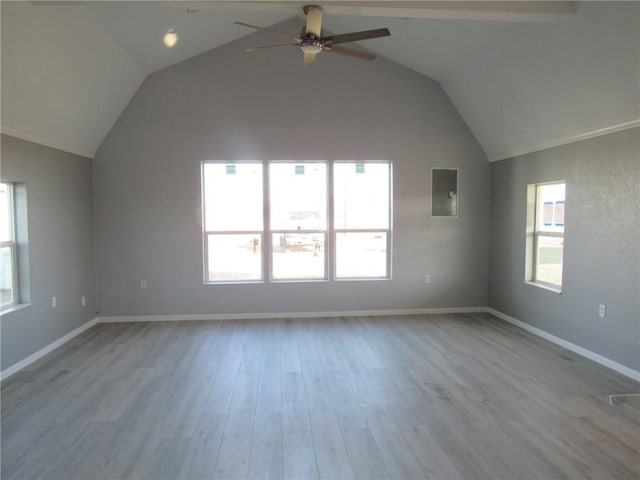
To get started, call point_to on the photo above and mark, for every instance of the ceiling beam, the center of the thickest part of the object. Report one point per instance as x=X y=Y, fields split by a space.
x=517 y=11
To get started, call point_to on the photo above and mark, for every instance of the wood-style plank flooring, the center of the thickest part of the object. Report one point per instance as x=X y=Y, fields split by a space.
x=407 y=397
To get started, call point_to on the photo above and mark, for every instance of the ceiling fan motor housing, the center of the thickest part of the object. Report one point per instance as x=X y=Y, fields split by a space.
x=309 y=43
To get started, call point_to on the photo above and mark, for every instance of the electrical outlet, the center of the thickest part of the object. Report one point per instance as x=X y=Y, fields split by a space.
x=427 y=278
x=54 y=302
x=602 y=310
x=83 y=301
x=143 y=284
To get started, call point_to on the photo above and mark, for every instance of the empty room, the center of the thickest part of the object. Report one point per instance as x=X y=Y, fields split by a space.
x=343 y=240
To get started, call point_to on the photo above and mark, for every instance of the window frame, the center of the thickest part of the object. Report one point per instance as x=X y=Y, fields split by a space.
x=267 y=232
x=388 y=231
x=270 y=231
x=535 y=231
x=12 y=246
x=206 y=233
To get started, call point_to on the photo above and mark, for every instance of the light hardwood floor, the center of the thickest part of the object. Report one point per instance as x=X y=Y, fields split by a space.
x=429 y=396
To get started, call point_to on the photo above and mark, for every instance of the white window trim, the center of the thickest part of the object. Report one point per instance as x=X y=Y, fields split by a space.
x=269 y=232
x=205 y=245
x=388 y=230
x=362 y=230
x=11 y=244
x=532 y=235
x=14 y=275
x=206 y=233
x=330 y=233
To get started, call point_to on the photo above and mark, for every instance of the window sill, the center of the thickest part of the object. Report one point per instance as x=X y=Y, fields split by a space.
x=14 y=308
x=545 y=287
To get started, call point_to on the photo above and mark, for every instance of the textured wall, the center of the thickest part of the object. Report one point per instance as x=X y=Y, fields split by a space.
x=602 y=244
x=60 y=224
x=228 y=105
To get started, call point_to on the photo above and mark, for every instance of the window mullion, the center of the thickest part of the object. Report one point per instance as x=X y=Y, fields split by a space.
x=330 y=260
x=14 y=273
x=232 y=232
x=536 y=218
x=361 y=230
x=267 y=243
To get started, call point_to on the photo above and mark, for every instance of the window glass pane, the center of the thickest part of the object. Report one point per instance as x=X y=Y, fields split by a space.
x=298 y=196
x=549 y=252
x=361 y=255
x=550 y=204
x=6 y=230
x=361 y=195
x=233 y=196
x=234 y=257
x=298 y=256
x=7 y=296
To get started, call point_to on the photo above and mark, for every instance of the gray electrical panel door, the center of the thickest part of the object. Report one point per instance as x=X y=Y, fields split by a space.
x=444 y=192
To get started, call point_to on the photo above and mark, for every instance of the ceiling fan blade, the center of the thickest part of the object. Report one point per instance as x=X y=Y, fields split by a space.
x=284 y=34
x=314 y=20
x=356 y=36
x=349 y=52
x=265 y=47
x=309 y=59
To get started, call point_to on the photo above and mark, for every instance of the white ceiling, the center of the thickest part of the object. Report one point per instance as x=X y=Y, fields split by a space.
x=524 y=75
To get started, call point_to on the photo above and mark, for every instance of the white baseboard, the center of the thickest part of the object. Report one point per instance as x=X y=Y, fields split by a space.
x=596 y=357
x=607 y=362
x=7 y=372
x=254 y=316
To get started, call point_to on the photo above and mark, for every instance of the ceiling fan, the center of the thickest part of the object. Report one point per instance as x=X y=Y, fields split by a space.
x=311 y=41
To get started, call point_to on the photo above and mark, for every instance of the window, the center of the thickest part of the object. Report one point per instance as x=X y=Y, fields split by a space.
x=8 y=255
x=298 y=206
x=233 y=221
x=362 y=219
x=282 y=210
x=545 y=234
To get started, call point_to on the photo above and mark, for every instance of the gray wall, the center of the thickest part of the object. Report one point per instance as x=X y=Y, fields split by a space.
x=61 y=260
x=228 y=105
x=602 y=244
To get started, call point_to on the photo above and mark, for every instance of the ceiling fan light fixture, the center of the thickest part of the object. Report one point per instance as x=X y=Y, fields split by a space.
x=170 y=38
x=311 y=48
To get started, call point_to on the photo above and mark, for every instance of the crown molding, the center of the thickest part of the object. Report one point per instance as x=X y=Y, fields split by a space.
x=12 y=132
x=575 y=138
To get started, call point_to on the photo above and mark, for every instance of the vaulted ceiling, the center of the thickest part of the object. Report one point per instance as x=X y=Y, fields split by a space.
x=524 y=75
